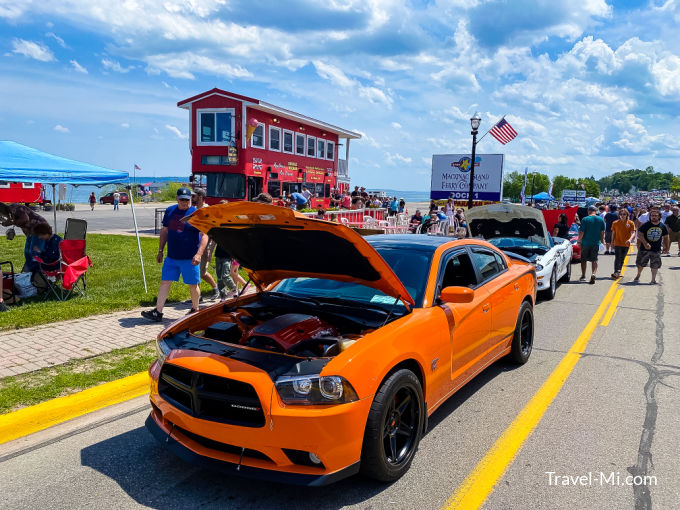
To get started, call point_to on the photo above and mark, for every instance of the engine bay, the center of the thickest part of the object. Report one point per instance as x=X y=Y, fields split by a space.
x=297 y=327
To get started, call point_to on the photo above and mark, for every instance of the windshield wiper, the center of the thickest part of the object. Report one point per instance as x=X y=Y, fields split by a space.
x=350 y=302
x=283 y=295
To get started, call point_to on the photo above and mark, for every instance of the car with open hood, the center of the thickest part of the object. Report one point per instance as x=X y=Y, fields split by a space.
x=520 y=231
x=349 y=344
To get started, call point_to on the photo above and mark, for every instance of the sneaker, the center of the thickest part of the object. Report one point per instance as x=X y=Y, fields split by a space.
x=592 y=280
x=188 y=301
x=582 y=279
x=193 y=310
x=3 y=307
x=216 y=294
x=153 y=315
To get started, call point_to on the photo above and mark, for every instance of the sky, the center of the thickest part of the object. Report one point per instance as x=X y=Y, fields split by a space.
x=591 y=86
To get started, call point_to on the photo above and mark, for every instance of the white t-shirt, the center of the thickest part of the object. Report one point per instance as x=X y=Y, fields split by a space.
x=665 y=214
x=643 y=218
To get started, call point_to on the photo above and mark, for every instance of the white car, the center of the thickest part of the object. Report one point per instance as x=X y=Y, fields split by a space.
x=521 y=231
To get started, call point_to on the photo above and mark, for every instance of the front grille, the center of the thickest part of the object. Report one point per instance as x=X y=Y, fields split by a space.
x=210 y=397
x=222 y=447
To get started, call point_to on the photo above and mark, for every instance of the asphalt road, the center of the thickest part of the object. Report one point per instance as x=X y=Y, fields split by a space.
x=618 y=412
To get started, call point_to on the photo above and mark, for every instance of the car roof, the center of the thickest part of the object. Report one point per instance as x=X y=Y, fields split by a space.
x=424 y=242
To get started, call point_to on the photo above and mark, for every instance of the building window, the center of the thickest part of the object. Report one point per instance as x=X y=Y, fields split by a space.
x=299 y=144
x=257 y=140
x=4 y=184
x=321 y=148
x=319 y=190
x=287 y=141
x=311 y=146
x=291 y=187
x=274 y=139
x=28 y=185
x=274 y=188
x=216 y=127
x=222 y=185
x=330 y=150
x=215 y=160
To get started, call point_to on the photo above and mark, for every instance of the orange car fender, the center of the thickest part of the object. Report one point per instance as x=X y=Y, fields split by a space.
x=420 y=337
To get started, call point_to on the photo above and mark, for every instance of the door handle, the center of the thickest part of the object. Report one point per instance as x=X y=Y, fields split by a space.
x=486 y=308
x=516 y=286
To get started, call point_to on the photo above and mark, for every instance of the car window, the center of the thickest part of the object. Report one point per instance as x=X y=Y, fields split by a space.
x=459 y=272
x=487 y=264
x=500 y=261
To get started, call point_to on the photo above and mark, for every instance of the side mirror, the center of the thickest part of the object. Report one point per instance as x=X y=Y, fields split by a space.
x=457 y=295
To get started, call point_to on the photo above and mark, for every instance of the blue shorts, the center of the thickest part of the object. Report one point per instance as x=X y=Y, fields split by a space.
x=191 y=274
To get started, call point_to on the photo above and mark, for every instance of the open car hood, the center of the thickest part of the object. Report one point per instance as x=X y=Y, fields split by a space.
x=274 y=243
x=507 y=220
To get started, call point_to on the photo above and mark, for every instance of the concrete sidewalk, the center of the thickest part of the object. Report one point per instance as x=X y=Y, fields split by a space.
x=29 y=349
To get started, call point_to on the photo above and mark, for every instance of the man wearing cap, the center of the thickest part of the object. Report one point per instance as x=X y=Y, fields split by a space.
x=198 y=201
x=185 y=249
x=591 y=234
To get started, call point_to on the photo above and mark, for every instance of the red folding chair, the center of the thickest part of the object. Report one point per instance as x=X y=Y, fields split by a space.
x=71 y=274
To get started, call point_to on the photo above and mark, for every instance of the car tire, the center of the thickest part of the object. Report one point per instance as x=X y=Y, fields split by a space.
x=523 y=338
x=567 y=276
x=101 y=202
x=394 y=427
x=549 y=293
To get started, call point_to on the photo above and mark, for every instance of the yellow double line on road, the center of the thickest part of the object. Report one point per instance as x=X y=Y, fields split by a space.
x=479 y=483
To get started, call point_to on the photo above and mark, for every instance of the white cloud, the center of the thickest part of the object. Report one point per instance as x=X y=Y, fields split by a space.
x=125 y=125
x=59 y=40
x=176 y=131
x=396 y=125
x=61 y=129
x=115 y=66
x=395 y=159
x=78 y=67
x=185 y=64
x=32 y=50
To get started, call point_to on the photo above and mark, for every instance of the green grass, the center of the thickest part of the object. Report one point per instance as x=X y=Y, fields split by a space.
x=35 y=387
x=113 y=283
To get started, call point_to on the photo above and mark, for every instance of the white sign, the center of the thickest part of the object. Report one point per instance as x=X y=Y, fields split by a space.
x=573 y=195
x=451 y=177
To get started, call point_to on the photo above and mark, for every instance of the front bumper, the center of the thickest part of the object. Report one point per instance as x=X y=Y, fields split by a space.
x=334 y=433
x=236 y=469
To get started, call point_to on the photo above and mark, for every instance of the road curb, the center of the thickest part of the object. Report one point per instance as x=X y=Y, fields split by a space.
x=46 y=414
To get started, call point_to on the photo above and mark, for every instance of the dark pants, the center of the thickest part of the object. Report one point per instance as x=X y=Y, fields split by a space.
x=620 y=253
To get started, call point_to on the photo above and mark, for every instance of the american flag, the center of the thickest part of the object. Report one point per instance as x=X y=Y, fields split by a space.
x=503 y=131
x=137 y=167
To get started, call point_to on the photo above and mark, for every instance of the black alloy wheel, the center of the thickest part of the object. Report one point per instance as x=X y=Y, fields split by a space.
x=523 y=340
x=393 y=428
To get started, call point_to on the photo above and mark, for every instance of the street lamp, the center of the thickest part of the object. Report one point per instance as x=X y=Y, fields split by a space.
x=474 y=123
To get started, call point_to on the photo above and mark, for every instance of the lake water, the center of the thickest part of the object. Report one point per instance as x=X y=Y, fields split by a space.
x=80 y=194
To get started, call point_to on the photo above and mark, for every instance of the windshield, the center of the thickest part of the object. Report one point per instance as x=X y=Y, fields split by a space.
x=411 y=267
x=516 y=242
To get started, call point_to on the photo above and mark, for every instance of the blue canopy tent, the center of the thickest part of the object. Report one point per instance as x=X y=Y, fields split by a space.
x=19 y=163
x=543 y=195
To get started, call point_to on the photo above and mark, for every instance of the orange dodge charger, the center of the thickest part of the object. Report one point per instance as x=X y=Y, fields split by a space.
x=333 y=367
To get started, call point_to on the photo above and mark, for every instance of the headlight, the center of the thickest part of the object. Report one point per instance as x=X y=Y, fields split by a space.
x=539 y=267
x=162 y=350
x=313 y=389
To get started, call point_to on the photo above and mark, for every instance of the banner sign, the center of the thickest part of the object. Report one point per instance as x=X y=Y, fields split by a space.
x=572 y=195
x=451 y=177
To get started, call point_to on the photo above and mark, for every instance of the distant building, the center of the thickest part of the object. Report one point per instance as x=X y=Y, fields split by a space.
x=242 y=146
x=21 y=192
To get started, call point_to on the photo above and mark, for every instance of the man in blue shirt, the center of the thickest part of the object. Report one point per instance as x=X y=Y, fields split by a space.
x=185 y=249
x=298 y=199
x=590 y=236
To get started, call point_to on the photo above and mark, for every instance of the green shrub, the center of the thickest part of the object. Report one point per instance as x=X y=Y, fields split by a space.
x=169 y=192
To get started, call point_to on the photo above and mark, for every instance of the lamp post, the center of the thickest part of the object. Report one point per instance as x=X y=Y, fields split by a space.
x=474 y=123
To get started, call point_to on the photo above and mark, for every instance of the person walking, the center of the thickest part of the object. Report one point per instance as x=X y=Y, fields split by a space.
x=116 y=200
x=673 y=225
x=185 y=249
x=198 y=201
x=561 y=228
x=591 y=234
x=623 y=233
x=92 y=200
x=609 y=219
x=653 y=236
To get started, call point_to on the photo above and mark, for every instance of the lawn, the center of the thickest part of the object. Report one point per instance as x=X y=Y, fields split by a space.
x=76 y=375
x=113 y=283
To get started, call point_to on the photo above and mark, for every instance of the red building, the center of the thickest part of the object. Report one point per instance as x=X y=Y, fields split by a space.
x=242 y=146
x=20 y=192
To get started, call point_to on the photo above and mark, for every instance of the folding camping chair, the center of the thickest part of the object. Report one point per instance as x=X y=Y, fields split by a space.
x=71 y=273
x=7 y=285
x=75 y=229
